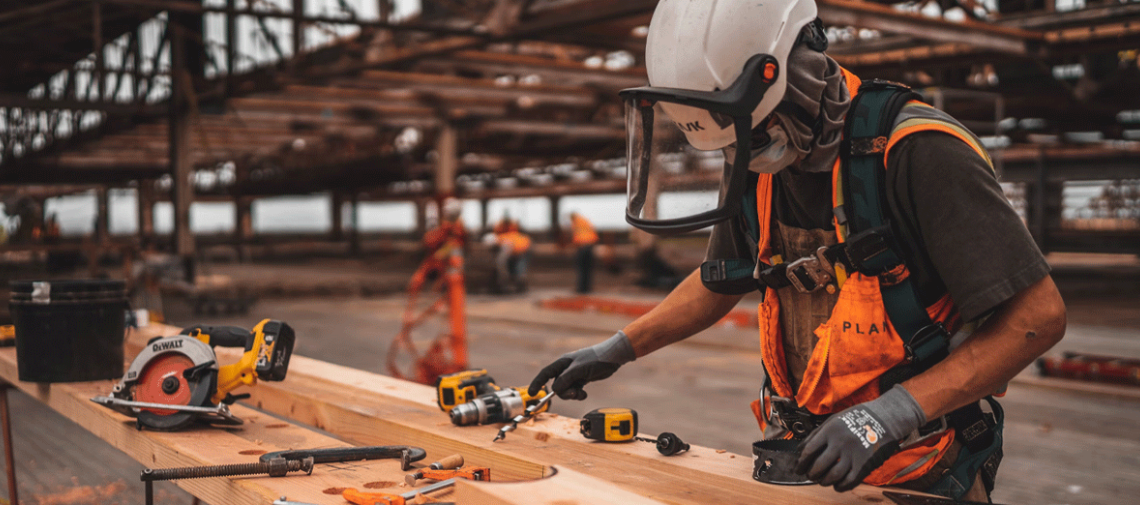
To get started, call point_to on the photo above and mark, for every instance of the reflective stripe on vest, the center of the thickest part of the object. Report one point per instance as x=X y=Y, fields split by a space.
x=858 y=344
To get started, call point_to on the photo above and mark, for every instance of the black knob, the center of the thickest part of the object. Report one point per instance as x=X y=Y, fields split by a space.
x=670 y=444
x=170 y=385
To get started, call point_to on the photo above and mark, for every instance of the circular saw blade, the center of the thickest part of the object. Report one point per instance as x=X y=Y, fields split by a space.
x=167 y=369
x=163 y=380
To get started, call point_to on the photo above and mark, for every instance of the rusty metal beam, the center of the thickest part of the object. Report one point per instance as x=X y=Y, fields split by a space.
x=881 y=17
x=562 y=70
x=32 y=10
x=198 y=8
x=576 y=14
x=24 y=102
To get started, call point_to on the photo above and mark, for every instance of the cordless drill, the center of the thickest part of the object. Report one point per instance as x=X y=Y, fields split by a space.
x=497 y=407
x=462 y=387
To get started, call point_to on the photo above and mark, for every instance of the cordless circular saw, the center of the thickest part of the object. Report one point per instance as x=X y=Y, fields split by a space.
x=176 y=380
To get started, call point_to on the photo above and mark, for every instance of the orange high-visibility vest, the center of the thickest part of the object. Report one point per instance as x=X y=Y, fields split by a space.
x=583 y=231
x=858 y=344
x=519 y=242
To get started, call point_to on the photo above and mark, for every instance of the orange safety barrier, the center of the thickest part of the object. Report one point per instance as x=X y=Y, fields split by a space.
x=443 y=269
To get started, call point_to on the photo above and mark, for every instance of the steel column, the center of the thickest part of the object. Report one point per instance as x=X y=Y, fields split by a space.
x=181 y=171
x=337 y=203
x=99 y=75
x=103 y=214
x=448 y=165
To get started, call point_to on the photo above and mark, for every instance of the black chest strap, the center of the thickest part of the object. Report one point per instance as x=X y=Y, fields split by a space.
x=866 y=132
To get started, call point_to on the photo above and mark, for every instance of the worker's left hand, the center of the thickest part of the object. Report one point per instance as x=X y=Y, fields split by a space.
x=850 y=445
x=575 y=369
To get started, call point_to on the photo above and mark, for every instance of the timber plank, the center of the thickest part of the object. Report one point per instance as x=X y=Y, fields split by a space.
x=260 y=434
x=550 y=491
x=367 y=408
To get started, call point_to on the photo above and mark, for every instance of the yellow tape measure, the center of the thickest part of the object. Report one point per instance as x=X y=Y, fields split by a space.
x=610 y=425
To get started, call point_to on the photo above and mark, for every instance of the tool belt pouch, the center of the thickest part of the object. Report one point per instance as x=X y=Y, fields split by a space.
x=774 y=462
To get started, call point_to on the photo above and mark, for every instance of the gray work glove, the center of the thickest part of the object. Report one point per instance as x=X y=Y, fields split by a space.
x=575 y=369
x=850 y=445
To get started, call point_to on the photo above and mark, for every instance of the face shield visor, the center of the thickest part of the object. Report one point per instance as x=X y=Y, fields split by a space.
x=693 y=145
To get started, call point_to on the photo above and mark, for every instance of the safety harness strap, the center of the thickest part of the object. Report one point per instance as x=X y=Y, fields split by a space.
x=868 y=128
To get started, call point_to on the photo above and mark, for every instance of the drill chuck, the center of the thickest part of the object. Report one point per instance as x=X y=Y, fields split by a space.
x=497 y=407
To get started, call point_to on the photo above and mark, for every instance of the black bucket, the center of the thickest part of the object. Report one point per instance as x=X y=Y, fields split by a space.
x=69 y=331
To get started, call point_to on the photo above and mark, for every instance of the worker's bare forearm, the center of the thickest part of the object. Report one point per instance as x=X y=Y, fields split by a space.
x=689 y=309
x=1016 y=334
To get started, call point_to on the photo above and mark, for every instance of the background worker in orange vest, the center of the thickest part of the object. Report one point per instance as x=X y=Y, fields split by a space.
x=583 y=236
x=900 y=288
x=513 y=257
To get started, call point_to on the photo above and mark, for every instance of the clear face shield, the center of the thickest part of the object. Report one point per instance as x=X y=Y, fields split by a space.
x=699 y=182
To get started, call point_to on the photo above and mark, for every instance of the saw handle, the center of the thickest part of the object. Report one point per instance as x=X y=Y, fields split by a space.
x=224 y=336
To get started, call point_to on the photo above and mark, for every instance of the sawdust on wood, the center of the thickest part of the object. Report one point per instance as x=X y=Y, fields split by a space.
x=334 y=490
x=721 y=451
x=278 y=425
x=380 y=484
x=542 y=436
x=82 y=495
x=420 y=499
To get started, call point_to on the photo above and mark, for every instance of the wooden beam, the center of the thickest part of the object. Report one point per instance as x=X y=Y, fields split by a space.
x=366 y=408
x=563 y=484
x=197 y=447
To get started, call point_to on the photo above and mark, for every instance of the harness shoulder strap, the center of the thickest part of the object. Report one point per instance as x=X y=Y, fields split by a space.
x=867 y=134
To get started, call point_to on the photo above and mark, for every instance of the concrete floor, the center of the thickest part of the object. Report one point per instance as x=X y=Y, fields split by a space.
x=1062 y=446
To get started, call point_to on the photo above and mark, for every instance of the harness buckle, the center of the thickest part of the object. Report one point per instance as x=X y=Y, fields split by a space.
x=866 y=246
x=810 y=273
x=929 y=341
x=785 y=413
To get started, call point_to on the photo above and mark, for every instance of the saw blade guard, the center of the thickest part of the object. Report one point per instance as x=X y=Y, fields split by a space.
x=199 y=354
x=176 y=371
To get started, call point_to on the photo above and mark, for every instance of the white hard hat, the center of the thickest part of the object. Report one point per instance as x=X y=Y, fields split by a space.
x=703 y=45
x=452 y=208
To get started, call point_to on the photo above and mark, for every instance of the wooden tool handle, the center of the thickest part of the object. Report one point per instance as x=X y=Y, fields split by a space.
x=453 y=461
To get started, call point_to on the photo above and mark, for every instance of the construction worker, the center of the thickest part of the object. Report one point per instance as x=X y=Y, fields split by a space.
x=513 y=257
x=901 y=290
x=450 y=234
x=583 y=236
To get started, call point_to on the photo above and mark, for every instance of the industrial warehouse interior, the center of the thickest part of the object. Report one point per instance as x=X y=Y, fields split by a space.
x=255 y=250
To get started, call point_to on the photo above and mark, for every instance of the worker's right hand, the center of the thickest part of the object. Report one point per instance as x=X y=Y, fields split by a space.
x=575 y=369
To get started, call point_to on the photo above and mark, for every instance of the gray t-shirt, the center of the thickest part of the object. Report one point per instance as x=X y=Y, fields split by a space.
x=958 y=232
